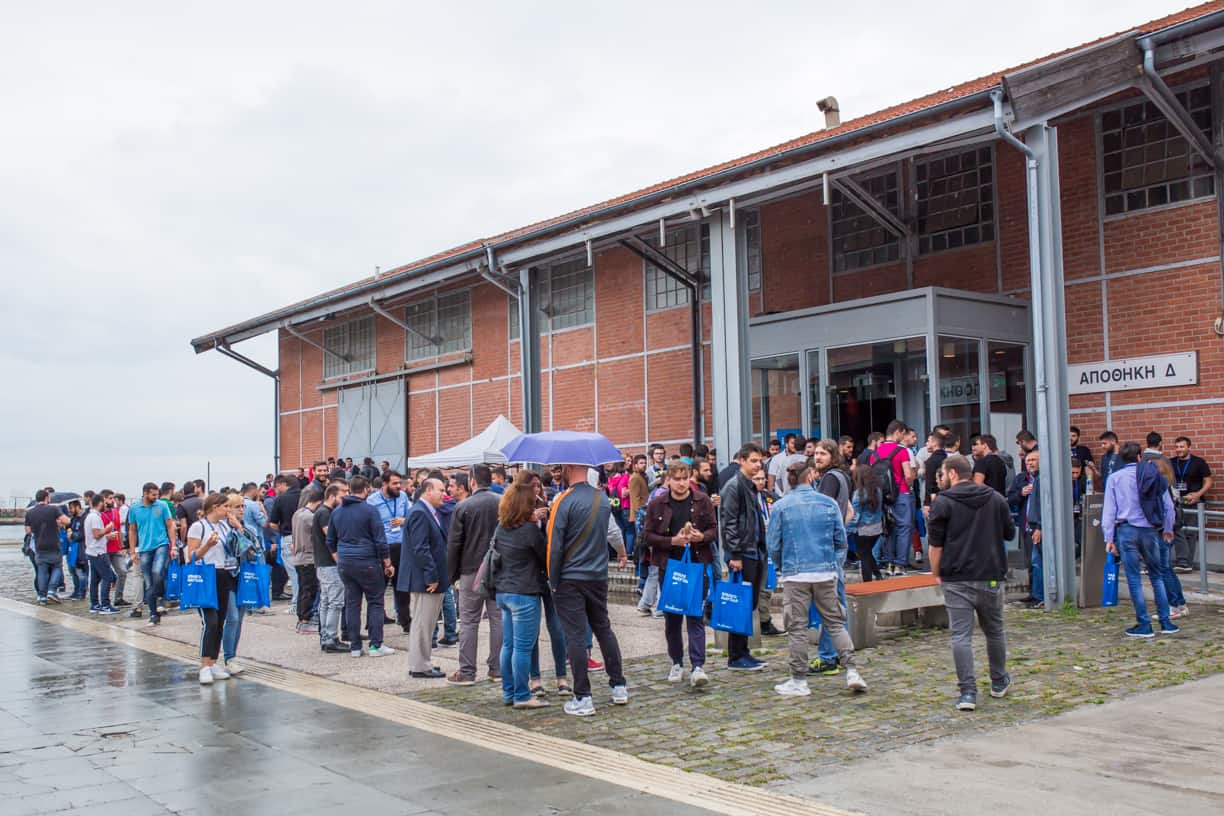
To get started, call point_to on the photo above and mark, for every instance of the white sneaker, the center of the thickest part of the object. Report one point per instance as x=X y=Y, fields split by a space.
x=658 y=613
x=219 y=672
x=292 y=610
x=676 y=674
x=234 y=667
x=580 y=706
x=380 y=651
x=355 y=653
x=793 y=688
x=620 y=695
x=854 y=681
x=698 y=678
x=206 y=676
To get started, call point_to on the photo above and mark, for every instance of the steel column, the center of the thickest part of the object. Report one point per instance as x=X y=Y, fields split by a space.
x=529 y=348
x=729 y=334
x=1050 y=339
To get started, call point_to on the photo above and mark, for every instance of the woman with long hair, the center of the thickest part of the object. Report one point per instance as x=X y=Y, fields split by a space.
x=206 y=542
x=869 y=523
x=520 y=557
x=556 y=635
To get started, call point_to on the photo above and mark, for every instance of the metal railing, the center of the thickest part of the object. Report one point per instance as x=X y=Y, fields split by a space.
x=1206 y=521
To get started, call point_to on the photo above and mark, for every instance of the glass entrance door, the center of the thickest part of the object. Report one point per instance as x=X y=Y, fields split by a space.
x=872 y=384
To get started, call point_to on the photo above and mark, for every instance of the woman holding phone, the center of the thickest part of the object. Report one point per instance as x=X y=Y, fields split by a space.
x=207 y=542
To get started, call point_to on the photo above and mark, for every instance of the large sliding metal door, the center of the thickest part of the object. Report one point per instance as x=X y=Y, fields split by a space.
x=373 y=422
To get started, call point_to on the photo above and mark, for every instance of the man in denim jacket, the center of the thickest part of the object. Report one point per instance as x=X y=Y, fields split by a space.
x=807 y=541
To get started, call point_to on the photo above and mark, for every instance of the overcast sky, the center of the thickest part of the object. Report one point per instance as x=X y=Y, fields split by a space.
x=166 y=172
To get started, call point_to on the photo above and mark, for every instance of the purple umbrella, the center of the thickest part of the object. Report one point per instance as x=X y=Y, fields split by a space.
x=562 y=448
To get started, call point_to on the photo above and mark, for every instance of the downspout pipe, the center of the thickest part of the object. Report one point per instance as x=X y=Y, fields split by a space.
x=1038 y=298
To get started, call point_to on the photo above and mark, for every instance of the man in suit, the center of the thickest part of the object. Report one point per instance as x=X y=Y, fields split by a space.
x=423 y=576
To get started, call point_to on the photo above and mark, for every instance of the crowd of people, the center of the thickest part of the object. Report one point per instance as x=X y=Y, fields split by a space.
x=477 y=547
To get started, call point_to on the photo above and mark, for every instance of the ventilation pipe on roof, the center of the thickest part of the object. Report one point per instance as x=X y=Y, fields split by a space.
x=831 y=110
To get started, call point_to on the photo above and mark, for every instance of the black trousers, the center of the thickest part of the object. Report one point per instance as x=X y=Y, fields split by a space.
x=279 y=576
x=579 y=604
x=308 y=590
x=363 y=578
x=754 y=574
x=403 y=600
x=214 y=619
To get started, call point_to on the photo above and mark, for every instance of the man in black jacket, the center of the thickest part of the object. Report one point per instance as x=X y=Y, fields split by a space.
x=968 y=526
x=280 y=521
x=743 y=539
x=471 y=530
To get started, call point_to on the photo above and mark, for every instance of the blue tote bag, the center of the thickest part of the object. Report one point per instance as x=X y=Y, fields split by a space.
x=254 y=584
x=771 y=575
x=733 y=610
x=1109 y=589
x=683 y=590
x=174 y=580
x=199 y=586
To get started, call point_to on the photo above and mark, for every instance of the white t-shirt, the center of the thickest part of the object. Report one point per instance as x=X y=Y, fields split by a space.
x=94 y=546
x=215 y=554
x=777 y=469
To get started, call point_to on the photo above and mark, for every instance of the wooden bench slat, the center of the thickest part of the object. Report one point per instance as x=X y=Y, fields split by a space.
x=890 y=585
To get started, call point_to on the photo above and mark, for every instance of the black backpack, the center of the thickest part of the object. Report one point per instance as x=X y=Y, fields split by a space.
x=882 y=467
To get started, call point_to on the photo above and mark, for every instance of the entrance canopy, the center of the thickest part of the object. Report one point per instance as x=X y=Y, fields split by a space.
x=484 y=447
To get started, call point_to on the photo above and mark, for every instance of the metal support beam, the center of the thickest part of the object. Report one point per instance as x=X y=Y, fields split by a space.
x=1053 y=405
x=287 y=326
x=729 y=354
x=1165 y=100
x=509 y=289
x=224 y=348
x=434 y=341
x=866 y=202
x=1217 y=135
x=660 y=259
x=529 y=348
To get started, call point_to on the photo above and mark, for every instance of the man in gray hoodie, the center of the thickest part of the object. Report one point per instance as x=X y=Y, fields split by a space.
x=578 y=573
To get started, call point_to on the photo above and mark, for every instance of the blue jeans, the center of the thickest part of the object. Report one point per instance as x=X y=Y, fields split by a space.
x=1173 y=586
x=827 y=653
x=556 y=640
x=900 y=543
x=520 y=630
x=47 y=575
x=231 y=629
x=450 y=617
x=1143 y=544
x=153 y=572
x=101 y=577
x=1037 y=573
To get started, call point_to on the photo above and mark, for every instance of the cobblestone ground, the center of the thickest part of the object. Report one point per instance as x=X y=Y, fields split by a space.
x=739 y=729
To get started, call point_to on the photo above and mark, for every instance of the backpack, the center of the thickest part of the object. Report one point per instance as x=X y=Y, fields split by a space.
x=882 y=467
x=486 y=574
x=1152 y=487
x=843 y=490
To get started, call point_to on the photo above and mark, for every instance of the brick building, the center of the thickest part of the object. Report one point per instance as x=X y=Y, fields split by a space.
x=810 y=260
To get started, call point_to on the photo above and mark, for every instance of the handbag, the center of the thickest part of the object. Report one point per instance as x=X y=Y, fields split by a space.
x=771 y=575
x=683 y=591
x=174 y=580
x=74 y=553
x=199 y=586
x=733 y=608
x=254 y=584
x=486 y=574
x=1109 y=589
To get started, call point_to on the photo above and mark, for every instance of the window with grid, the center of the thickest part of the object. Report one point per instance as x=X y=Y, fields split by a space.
x=688 y=246
x=447 y=318
x=350 y=348
x=512 y=305
x=859 y=240
x=1146 y=162
x=569 y=292
x=955 y=200
x=752 y=244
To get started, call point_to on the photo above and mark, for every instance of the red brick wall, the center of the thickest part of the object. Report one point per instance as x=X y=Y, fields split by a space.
x=794 y=254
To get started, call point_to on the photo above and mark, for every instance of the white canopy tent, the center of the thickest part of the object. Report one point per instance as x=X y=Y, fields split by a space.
x=484 y=447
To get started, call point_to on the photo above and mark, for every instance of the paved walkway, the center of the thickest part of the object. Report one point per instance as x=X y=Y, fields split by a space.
x=91 y=726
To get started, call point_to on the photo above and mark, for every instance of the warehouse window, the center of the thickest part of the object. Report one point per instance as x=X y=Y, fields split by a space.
x=752 y=244
x=512 y=306
x=689 y=247
x=568 y=294
x=955 y=200
x=1146 y=162
x=350 y=348
x=858 y=238
x=441 y=325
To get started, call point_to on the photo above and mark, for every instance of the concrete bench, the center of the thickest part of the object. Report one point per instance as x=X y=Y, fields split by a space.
x=914 y=596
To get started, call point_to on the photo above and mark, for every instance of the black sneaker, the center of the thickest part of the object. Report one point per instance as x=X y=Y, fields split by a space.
x=967 y=702
x=768 y=629
x=334 y=648
x=120 y=604
x=998 y=690
x=829 y=667
x=136 y=613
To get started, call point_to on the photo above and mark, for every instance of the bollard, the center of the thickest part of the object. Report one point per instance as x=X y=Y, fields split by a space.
x=1202 y=544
